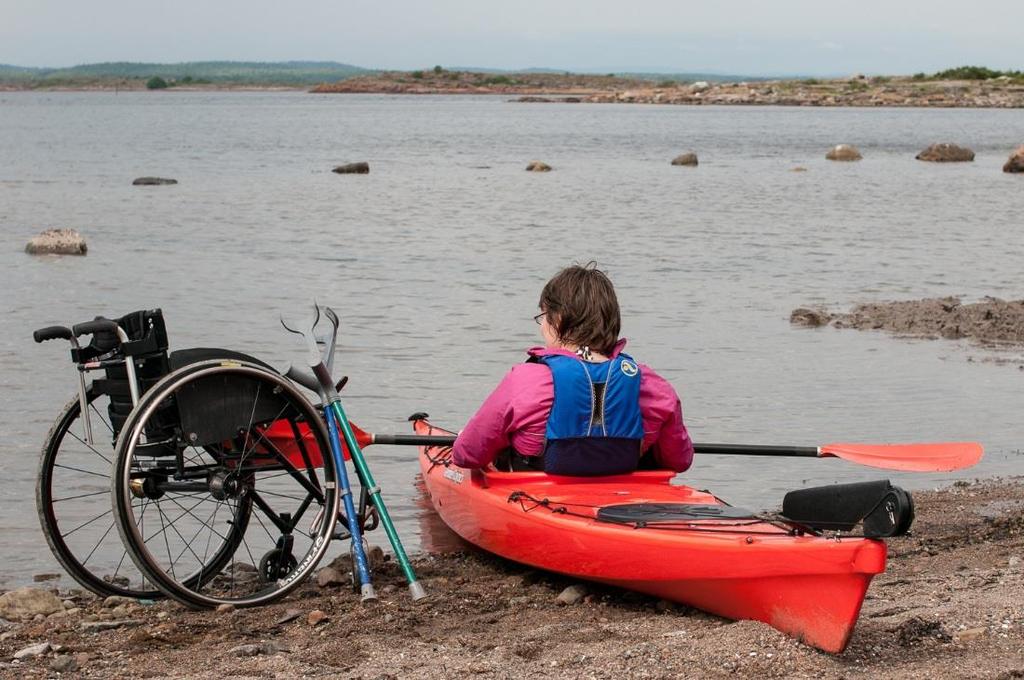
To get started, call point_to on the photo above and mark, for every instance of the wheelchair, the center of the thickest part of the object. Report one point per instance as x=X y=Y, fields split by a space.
x=202 y=474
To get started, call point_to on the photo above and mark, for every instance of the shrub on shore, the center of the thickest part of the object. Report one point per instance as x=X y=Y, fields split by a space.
x=976 y=73
x=156 y=83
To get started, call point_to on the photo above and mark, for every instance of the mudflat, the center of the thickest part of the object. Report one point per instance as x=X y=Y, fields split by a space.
x=950 y=604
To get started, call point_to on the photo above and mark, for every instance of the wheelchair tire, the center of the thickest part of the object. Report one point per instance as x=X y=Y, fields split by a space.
x=244 y=471
x=73 y=503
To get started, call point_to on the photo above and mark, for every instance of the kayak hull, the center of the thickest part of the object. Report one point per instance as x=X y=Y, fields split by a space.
x=807 y=586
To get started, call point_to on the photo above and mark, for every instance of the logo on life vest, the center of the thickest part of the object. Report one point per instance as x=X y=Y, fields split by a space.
x=629 y=368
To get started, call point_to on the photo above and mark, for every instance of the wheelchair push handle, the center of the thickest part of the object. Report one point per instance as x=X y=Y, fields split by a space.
x=96 y=326
x=52 y=333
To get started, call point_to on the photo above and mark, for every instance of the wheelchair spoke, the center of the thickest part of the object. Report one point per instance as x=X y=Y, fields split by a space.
x=87 y=523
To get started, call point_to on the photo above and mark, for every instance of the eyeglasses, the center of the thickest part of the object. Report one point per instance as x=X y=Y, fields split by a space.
x=537 y=318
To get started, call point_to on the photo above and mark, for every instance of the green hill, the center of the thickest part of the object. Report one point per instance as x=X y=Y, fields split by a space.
x=297 y=73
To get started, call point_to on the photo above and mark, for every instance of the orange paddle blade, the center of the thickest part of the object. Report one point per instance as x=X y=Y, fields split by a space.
x=934 y=457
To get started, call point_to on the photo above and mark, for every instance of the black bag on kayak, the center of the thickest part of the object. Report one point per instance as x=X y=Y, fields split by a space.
x=885 y=510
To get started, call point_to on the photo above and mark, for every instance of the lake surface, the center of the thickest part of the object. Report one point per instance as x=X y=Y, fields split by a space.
x=435 y=261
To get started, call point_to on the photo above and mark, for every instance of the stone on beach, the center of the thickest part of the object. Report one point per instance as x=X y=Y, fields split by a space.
x=57 y=242
x=538 y=166
x=25 y=604
x=573 y=594
x=689 y=159
x=843 y=152
x=946 y=153
x=1016 y=161
x=33 y=650
x=153 y=181
x=360 y=168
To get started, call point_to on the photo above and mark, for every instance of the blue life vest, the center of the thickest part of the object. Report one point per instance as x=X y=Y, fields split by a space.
x=595 y=426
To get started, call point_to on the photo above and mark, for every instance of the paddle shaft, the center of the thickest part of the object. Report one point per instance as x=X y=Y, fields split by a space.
x=721 y=449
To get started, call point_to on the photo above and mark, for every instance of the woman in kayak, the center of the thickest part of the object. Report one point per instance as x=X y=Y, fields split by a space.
x=579 y=405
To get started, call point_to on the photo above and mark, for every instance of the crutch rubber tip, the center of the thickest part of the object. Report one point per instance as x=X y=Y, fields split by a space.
x=368 y=594
x=416 y=591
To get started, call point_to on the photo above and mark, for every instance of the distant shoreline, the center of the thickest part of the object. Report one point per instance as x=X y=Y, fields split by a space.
x=856 y=91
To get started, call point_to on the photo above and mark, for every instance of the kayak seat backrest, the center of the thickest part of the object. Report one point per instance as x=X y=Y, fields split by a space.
x=884 y=509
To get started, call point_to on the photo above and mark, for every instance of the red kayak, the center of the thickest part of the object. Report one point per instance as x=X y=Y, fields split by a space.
x=638 y=531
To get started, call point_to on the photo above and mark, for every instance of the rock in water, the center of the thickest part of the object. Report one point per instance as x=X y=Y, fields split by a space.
x=538 y=166
x=153 y=181
x=812 y=318
x=946 y=153
x=843 y=152
x=1016 y=161
x=24 y=604
x=685 y=159
x=57 y=242
x=361 y=168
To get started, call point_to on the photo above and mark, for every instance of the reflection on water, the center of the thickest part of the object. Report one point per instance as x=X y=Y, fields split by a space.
x=435 y=536
x=435 y=259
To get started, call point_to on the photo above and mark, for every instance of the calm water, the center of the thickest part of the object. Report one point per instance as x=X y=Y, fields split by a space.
x=435 y=261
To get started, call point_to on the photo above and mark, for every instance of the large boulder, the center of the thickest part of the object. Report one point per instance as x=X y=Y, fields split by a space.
x=57 y=242
x=843 y=152
x=1016 y=161
x=685 y=159
x=946 y=153
x=25 y=603
x=153 y=181
x=538 y=166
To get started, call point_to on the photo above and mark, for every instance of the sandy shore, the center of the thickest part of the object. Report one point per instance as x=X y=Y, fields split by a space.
x=951 y=604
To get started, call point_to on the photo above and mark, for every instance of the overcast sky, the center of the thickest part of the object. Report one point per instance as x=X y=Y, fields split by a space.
x=731 y=36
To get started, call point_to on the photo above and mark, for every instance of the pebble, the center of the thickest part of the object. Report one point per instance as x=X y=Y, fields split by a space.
x=288 y=617
x=572 y=595
x=64 y=663
x=329 y=576
x=225 y=608
x=316 y=617
x=117 y=601
x=971 y=634
x=97 y=626
x=32 y=650
x=254 y=649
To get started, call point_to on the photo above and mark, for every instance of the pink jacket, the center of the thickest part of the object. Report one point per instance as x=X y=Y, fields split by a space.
x=516 y=415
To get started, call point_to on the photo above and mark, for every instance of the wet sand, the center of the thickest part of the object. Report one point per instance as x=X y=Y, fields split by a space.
x=950 y=604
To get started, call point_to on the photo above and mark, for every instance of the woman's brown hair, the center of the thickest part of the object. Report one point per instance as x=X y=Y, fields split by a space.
x=582 y=307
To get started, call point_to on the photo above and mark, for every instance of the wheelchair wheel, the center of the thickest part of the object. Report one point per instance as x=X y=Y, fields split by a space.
x=73 y=503
x=236 y=501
